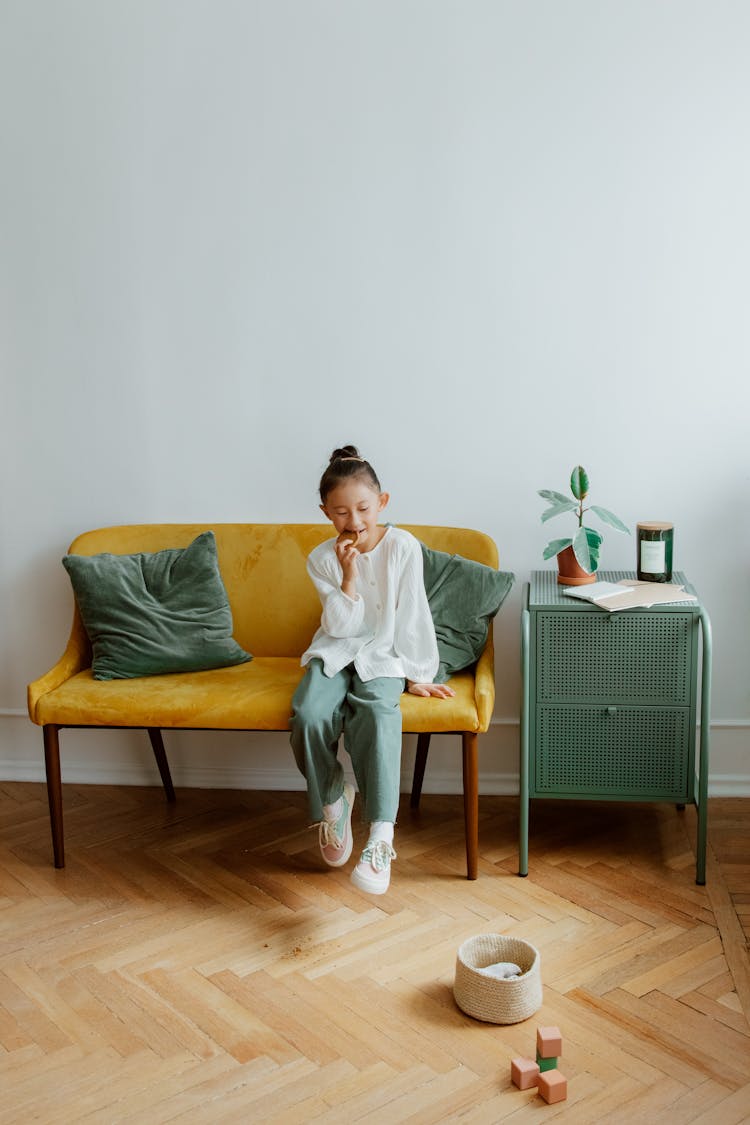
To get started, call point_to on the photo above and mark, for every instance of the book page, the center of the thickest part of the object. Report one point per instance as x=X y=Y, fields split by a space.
x=637 y=595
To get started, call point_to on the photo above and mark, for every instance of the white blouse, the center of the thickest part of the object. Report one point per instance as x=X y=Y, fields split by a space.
x=386 y=629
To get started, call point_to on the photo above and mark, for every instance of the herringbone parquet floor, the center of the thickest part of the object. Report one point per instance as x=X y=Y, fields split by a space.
x=194 y=964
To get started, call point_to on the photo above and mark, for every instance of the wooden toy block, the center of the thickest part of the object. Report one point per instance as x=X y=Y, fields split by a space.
x=546 y=1064
x=524 y=1073
x=553 y=1086
x=548 y=1042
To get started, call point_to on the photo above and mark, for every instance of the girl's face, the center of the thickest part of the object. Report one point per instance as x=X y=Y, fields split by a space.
x=355 y=505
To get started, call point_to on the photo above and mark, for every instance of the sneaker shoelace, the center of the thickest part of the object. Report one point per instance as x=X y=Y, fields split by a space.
x=379 y=853
x=327 y=830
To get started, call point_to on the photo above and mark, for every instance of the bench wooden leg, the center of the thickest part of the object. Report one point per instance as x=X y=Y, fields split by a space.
x=420 y=762
x=157 y=745
x=471 y=801
x=54 y=790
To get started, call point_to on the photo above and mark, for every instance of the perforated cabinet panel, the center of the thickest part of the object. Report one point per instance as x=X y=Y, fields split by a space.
x=610 y=701
x=614 y=751
x=641 y=658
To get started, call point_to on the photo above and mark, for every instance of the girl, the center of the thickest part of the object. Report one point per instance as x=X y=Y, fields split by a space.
x=376 y=637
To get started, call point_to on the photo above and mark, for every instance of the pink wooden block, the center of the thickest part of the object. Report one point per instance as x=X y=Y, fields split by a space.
x=524 y=1073
x=549 y=1042
x=553 y=1086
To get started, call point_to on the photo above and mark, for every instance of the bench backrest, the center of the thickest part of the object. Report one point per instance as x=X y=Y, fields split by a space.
x=274 y=604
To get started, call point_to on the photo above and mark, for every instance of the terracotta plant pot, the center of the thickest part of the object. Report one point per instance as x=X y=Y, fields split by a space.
x=571 y=572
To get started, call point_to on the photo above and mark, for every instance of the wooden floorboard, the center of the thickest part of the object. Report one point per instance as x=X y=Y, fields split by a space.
x=195 y=963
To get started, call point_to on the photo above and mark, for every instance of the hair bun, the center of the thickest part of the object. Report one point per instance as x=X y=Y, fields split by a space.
x=346 y=465
x=345 y=451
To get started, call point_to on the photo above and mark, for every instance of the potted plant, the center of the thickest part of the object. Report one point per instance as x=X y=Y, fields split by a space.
x=577 y=557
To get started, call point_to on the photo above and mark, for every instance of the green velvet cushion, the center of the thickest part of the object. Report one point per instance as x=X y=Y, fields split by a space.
x=149 y=614
x=464 y=596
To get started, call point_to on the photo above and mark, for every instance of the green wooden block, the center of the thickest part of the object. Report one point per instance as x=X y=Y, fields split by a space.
x=545 y=1064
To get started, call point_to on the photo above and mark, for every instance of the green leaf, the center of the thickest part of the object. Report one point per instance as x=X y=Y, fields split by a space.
x=606 y=516
x=594 y=540
x=586 y=552
x=558 y=509
x=555 y=546
x=579 y=482
x=555 y=497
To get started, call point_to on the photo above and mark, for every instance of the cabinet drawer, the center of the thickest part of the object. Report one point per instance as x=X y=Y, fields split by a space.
x=594 y=656
x=634 y=752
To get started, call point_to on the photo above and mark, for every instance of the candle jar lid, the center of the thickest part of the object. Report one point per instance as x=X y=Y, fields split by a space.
x=655 y=526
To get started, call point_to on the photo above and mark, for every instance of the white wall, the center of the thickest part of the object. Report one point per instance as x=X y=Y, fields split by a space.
x=483 y=240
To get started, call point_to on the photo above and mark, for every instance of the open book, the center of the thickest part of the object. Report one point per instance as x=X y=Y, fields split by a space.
x=596 y=591
x=630 y=595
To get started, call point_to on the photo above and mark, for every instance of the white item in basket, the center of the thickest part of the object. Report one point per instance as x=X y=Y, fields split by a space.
x=486 y=997
x=503 y=970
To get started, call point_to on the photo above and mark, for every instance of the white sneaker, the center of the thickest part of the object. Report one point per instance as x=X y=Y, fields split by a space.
x=373 y=872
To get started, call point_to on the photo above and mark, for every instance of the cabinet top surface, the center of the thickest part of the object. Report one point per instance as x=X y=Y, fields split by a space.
x=546 y=591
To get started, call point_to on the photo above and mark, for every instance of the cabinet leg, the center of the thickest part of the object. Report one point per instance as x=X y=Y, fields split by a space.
x=700 y=866
x=523 y=840
x=523 y=805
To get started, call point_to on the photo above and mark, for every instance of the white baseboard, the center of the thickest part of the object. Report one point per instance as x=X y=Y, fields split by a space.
x=436 y=781
x=231 y=760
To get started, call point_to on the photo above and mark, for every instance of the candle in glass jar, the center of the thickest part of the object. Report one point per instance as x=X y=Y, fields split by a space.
x=655 y=543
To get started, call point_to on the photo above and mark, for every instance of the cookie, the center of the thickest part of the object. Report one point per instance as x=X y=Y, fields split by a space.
x=349 y=537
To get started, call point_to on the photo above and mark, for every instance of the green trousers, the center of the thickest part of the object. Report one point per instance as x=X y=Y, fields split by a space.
x=368 y=713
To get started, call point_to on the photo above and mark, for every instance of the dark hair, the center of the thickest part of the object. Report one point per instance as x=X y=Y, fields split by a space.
x=346 y=463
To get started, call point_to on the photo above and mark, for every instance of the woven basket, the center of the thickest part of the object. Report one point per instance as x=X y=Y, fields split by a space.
x=488 y=998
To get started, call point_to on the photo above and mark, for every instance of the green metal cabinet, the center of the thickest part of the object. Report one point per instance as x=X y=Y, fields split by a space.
x=610 y=702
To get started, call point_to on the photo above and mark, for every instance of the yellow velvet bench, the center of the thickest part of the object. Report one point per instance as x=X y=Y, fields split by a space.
x=275 y=610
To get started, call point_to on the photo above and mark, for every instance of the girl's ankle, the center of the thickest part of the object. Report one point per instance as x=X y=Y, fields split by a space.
x=381 y=830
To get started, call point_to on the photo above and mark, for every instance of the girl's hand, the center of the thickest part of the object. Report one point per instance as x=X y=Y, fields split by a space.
x=347 y=556
x=437 y=691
